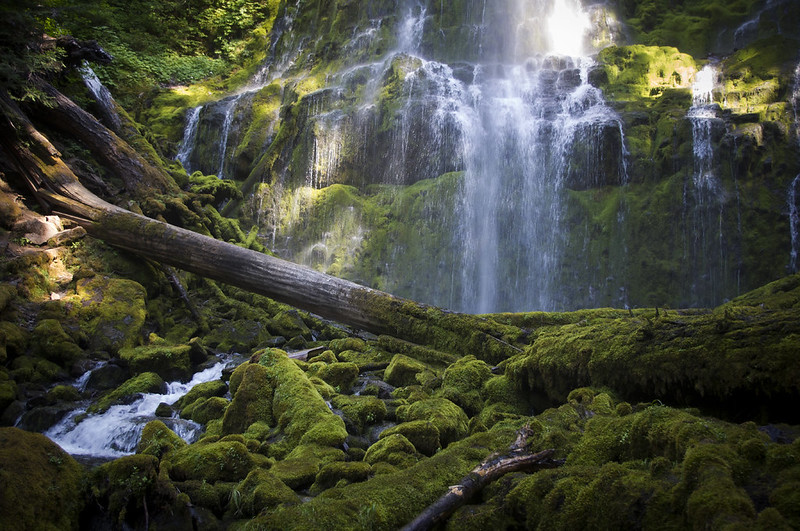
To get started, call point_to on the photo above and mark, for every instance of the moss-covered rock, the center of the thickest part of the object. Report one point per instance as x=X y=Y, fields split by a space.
x=204 y=410
x=169 y=362
x=147 y=382
x=252 y=398
x=340 y=376
x=158 y=440
x=112 y=312
x=223 y=460
x=449 y=419
x=345 y=472
x=462 y=383
x=216 y=388
x=49 y=341
x=393 y=449
x=423 y=434
x=40 y=484
x=261 y=490
x=403 y=370
x=361 y=411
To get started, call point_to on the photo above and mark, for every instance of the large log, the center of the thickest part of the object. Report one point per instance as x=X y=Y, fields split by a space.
x=330 y=297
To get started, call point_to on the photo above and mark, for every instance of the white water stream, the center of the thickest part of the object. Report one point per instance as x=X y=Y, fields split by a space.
x=116 y=432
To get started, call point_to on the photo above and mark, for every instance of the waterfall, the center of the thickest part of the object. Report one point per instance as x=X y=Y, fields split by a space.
x=102 y=96
x=117 y=431
x=189 y=137
x=537 y=121
x=704 y=198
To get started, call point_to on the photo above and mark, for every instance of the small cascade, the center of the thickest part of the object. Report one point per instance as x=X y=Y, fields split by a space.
x=704 y=197
x=230 y=113
x=102 y=96
x=117 y=431
x=701 y=115
x=189 y=138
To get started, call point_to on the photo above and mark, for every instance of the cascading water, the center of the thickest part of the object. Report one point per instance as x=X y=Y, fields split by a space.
x=189 y=138
x=102 y=96
x=704 y=196
x=537 y=120
x=513 y=115
x=117 y=431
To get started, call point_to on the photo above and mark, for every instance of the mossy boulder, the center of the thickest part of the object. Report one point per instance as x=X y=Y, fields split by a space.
x=8 y=391
x=395 y=450
x=158 y=440
x=216 y=388
x=40 y=484
x=345 y=472
x=423 y=434
x=298 y=409
x=449 y=419
x=462 y=383
x=360 y=410
x=402 y=371
x=223 y=460
x=252 y=390
x=112 y=312
x=169 y=362
x=260 y=490
x=340 y=376
x=49 y=341
x=13 y=340
x=147 y=382
x=204 y=410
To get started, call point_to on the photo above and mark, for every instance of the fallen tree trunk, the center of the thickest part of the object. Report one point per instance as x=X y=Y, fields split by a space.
x=491 y=469
x=340 y=300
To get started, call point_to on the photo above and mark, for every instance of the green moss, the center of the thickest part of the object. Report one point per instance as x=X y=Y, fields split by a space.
x=260 y=490
x=341 y=376
x=463 y=381
x=204 y=410
x=360 y=410
x=146 y=382
x=158 y=440
x=449 y=419
x=112 y=312
x=423 y=434
x=214 y=388
x=224 y=460
x=49 y=341
x=713 y=358
x=40 y=484
x=169 y=362
x=395 y=497
x=346 y=472
x=252 y=398
x=393 y=449
x=403 y=371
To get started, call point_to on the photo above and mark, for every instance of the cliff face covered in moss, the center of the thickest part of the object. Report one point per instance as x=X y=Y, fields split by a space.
x=484 y=158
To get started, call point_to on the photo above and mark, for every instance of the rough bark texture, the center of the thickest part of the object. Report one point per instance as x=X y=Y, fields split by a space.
x=491 y=469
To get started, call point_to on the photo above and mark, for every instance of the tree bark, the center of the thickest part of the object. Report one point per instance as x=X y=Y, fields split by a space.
x=330 y=297
x=491 y=469
x=141 y=175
